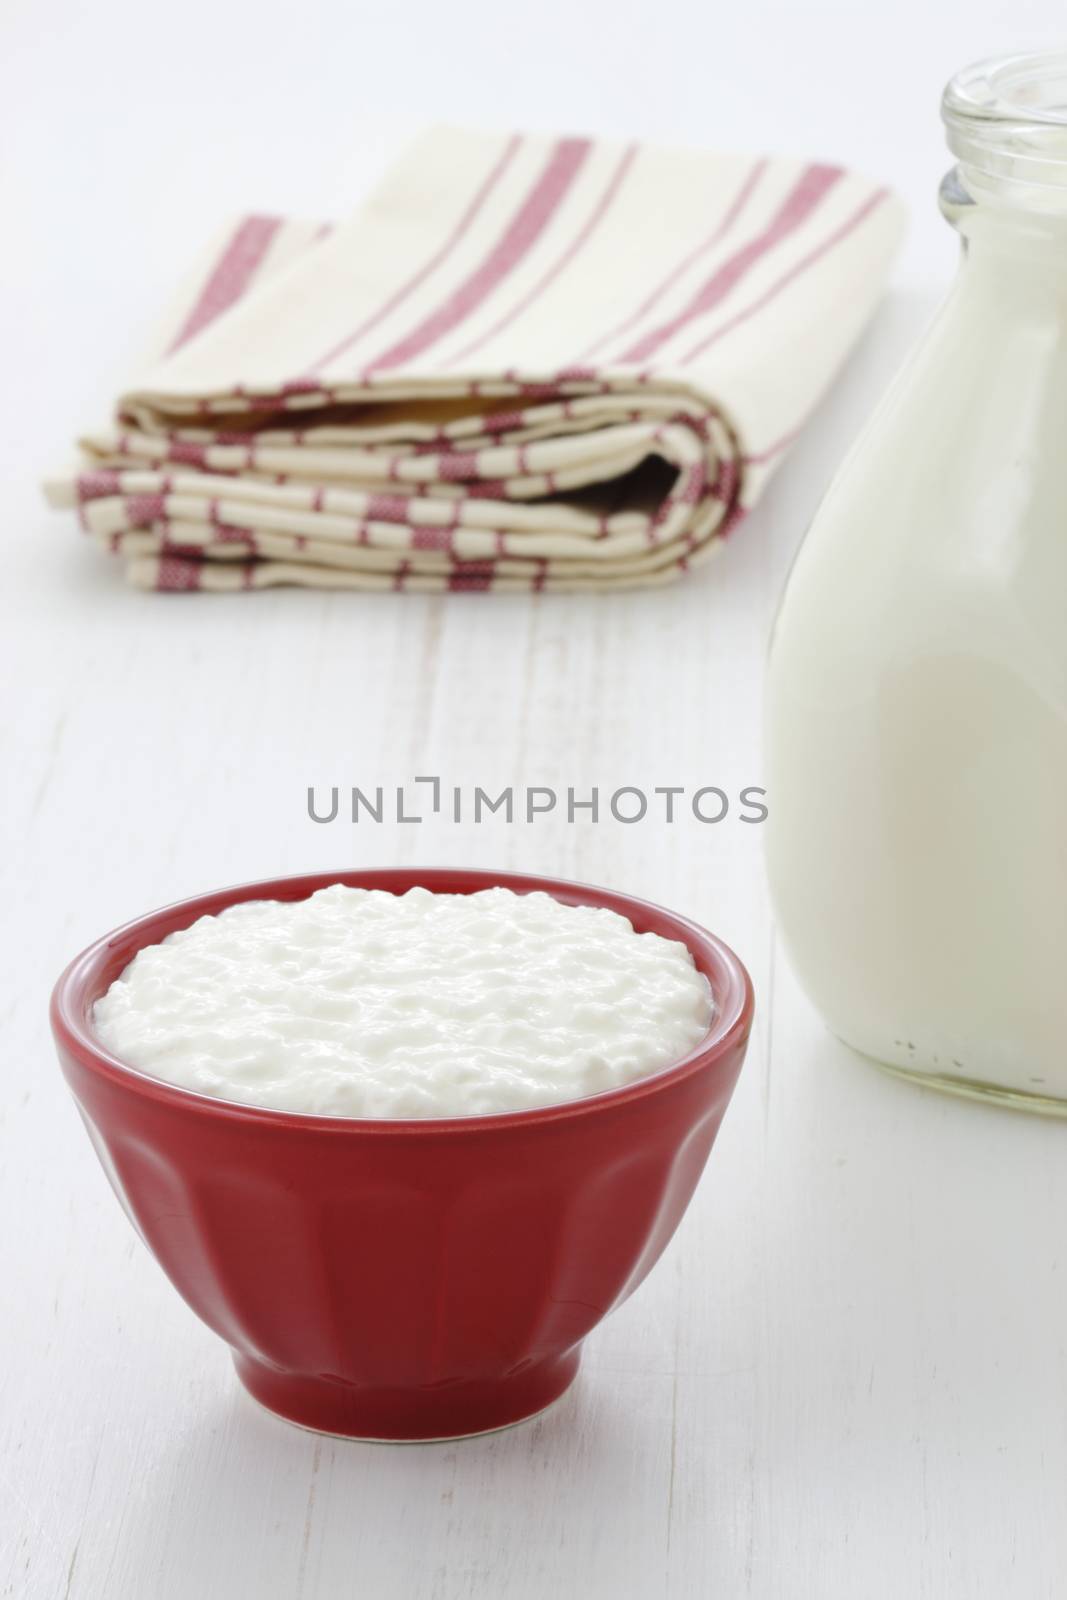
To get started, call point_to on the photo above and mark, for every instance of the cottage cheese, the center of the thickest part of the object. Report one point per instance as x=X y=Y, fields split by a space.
x=360 y=1003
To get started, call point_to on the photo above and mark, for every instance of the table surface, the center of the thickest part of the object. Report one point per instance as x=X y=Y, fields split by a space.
x=846 y=1378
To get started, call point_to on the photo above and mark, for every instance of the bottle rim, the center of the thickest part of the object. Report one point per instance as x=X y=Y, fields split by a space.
x=1006 y=121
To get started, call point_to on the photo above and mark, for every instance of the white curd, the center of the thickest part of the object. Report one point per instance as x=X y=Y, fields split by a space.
x=366 y=1004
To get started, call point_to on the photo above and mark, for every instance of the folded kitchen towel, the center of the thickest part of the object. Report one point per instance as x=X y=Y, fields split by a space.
x=526 y=363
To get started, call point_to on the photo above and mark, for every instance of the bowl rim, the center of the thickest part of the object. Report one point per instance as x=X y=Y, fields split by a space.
x=93 y=970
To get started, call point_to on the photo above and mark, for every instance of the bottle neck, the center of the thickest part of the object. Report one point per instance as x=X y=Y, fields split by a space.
x=1006 y=124
x=1010 y=235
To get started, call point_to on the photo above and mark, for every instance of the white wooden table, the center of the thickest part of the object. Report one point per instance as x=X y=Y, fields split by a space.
x=847 y=1378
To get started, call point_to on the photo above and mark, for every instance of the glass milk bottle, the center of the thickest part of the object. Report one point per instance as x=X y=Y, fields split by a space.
x=917 y=735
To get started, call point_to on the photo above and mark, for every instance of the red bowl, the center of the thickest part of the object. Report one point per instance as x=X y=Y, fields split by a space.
x=403 y=1279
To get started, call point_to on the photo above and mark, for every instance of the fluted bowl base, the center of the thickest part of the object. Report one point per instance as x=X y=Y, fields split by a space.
x=455 y=1411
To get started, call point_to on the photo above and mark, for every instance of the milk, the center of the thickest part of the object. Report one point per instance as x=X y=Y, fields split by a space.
x=917 y=698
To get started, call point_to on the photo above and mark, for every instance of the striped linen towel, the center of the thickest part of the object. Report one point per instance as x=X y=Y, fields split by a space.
x=525 y=363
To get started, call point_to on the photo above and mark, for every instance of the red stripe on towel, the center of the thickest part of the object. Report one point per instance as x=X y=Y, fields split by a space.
x=230 y=276
x=175 y=574
x=716 y=236
x=796 y=208
x=574 y=249
x=472 y=576
x=144 y=509
x=518 y=238
x=432 y=538
x=488 y=184
x=458 y=467
x=789 y=277
x=95 y=485
x=387 y=508
x=186 y=454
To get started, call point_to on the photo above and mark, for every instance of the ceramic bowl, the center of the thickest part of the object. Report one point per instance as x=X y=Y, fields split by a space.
x=403 y=1279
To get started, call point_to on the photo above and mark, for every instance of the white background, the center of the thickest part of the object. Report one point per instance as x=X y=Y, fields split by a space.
x=846 y=1379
